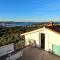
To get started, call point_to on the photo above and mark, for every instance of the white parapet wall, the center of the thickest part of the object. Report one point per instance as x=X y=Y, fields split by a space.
x=6 y=49
x=15 y=56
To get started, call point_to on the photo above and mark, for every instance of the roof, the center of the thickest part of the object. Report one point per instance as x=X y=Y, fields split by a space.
x=55 y=29
x=37 y=30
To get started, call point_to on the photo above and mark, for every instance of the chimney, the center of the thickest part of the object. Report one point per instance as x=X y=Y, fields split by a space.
x=50 y=23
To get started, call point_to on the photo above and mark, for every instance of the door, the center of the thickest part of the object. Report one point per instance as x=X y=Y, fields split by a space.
x=42 y=40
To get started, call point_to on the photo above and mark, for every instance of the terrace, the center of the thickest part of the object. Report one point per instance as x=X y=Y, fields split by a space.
x=32 y=53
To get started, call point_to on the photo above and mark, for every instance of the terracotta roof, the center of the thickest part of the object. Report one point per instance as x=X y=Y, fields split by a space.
x=54 y=28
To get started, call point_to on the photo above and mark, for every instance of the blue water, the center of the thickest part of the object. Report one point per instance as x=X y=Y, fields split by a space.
x=11 y=24
x=25 y=23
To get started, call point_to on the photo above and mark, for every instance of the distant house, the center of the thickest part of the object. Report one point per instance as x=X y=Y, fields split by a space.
x=47 y=38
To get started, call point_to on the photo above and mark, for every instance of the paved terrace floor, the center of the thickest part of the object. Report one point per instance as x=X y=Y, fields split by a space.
x=32 y=53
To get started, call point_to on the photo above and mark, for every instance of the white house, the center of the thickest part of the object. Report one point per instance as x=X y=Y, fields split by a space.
x=47 y=38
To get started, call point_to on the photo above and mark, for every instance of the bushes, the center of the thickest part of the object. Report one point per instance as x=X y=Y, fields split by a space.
x=10 y=35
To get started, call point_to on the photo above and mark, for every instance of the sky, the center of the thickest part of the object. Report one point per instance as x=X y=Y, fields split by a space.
x=29 y=10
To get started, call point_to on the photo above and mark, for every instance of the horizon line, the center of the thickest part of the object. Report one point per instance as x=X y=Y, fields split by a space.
x=30 y=21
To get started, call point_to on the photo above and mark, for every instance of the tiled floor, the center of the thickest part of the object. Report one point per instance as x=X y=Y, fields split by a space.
x=32 y=53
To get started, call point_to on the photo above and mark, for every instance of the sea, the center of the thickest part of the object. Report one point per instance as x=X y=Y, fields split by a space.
x=12 y=24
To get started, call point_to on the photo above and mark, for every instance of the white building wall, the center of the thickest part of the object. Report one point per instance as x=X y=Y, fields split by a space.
x=54 y=38
x=32 y=37
x=50 y=38
x=15 y=56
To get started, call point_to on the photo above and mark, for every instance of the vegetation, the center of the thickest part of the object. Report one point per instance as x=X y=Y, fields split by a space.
x=10 y=35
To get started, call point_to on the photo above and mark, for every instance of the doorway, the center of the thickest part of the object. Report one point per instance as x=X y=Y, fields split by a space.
x=42 y=40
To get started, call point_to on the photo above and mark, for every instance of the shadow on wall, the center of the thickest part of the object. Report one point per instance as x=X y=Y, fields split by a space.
x=32 y=42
